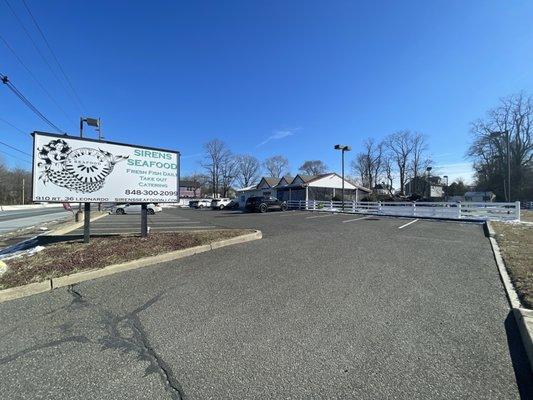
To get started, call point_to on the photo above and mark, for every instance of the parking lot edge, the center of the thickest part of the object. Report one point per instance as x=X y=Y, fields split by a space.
x=78 y=277
x=523 y=317
x=25 y=290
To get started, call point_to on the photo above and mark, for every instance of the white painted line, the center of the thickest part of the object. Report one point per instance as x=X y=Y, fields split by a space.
x=407 y=224
x=356 y=219
x=320 y=216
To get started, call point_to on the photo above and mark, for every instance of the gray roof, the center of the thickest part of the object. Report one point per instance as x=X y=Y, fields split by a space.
x=271 y=180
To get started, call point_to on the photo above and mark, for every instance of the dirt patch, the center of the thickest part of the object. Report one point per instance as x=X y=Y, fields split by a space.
x=516 y=245
x=526 y=215
x=67 y=257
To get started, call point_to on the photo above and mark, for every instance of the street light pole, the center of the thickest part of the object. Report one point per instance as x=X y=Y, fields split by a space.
x=508 y=165
x=87 y=206
x=507 y=192
x=342 y=149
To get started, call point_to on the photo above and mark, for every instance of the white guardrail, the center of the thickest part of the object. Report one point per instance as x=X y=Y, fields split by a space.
x=463 y=211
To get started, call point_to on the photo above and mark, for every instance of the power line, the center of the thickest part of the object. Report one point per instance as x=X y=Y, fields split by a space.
x=53 y=54
x=13 y=126
x=28 y=103
x=41 y=53
x=34 y=77
x=14 y=148
x=16 y=158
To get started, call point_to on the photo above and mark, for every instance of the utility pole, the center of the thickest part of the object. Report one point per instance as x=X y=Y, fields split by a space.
x=23 y=182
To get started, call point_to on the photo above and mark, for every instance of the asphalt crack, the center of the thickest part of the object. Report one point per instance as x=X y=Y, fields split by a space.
x=126 y=333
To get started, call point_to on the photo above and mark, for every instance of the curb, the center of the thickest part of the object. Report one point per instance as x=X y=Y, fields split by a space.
x=72 y=279
x=523 y=317
x=73 y=226
x=26 y=290
x=524 y=320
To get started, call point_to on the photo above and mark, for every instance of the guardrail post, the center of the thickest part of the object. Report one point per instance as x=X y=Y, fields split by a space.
x=331 y=204
x=353 y=206
x=314 y=205
x=517 y=210
x=459 y=210
x=414 y=209
x=379 y=207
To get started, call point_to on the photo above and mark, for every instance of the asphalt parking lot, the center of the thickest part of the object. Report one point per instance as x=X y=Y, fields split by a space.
x=166 y=221
x=324 y=306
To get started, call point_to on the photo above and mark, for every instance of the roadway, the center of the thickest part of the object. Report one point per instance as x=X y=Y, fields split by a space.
x=19 y=219
x=324 y=306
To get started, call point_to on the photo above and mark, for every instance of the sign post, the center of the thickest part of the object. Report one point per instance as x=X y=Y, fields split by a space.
x=144 y=220
x=86 y=223
x=68 y=169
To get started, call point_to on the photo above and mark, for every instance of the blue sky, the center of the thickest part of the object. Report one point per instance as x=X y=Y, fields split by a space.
x=268 y=77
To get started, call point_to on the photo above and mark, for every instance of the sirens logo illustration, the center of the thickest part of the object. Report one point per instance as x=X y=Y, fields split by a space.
x=82 y=170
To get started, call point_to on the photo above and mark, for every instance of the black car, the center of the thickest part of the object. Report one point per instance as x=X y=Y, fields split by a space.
x=264 y=203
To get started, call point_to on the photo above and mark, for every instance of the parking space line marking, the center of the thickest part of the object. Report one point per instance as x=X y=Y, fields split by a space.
x=356 y=219
x=407 y=224
x=320 y=216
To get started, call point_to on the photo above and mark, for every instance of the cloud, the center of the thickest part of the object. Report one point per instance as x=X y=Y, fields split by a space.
x=279 y=134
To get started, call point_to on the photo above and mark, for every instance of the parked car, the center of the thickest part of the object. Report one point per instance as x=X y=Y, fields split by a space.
x=233 y=204
x=263 y=204
x=136 y=208
x=220 y=204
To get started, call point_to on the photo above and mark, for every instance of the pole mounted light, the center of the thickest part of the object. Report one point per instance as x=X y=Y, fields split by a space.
x=428 y=170
x=342 y=148
x=94 y=122
x=505 y=133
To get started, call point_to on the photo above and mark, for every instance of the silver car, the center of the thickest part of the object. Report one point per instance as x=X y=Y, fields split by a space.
x=136 y=208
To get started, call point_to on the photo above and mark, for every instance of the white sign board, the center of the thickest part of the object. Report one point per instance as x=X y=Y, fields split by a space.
x=67 y=169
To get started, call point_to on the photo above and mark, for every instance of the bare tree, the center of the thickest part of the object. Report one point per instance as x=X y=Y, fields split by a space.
x=313 y=167
x=509 y=123
x=400 y=147
x=276 y=166
x=388 y=170
x=216 y=154
x=15 y=185
x=368 y=164
x=228 y=173
x=420 y=160
x=248 y=170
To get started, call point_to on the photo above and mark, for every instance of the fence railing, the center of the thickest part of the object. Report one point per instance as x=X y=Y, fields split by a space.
x=465 y=211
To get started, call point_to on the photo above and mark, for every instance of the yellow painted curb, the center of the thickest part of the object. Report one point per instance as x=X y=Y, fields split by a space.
x=73 y=226
x=72 y=279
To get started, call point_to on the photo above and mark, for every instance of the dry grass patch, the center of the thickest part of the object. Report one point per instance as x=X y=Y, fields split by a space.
x=526 y=215
x=516 y=245
x=65 y=258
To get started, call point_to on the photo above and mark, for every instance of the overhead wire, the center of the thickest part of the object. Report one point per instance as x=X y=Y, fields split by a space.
x=15 y=157
x=35 y=78
x=37 y=48
x=4 y=79
x=53 y=54
x=14 y=148
x=13 y=126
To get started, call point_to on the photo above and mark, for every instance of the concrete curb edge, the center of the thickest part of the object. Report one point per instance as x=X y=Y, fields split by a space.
x=72 y=279
x=523 y=317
